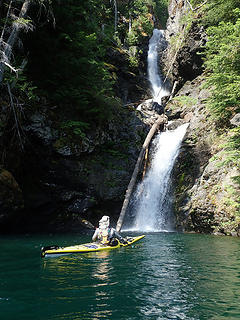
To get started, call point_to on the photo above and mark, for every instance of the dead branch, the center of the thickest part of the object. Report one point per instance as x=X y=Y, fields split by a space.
x=195 y=9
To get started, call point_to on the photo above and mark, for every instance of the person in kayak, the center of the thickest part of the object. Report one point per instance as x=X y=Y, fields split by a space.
x=106 y=235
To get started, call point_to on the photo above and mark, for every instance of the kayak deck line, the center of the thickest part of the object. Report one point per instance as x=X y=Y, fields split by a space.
x=55 y=250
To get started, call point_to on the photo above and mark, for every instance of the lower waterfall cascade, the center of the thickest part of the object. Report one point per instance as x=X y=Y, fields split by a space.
x=151 y=205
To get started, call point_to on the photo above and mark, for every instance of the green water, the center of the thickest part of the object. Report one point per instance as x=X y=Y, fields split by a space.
x=165 y=276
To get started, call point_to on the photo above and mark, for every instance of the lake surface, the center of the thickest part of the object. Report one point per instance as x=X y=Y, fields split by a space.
x=164 y=276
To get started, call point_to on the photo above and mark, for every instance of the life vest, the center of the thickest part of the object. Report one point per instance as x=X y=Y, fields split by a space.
x=104 y=235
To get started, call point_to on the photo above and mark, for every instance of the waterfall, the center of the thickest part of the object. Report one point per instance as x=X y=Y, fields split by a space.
x=156 y=44
x=151 y=205
x=152 y=201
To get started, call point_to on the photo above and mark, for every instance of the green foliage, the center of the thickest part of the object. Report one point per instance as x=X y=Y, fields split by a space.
x=76 y=127
x=223 y=63
x=67 y=55
x=133 y=61
x=232 y=147
x=132 y=38
x=141 y=7
x=68 y=58
x=139 y=13
x=141 y=26
x=228 y=158
x=185 y=101
x=23 y=21
x=217 y=11
x=114 y=150
x=67 y=62
x=22 y=87
x=236 y=179
x=161 y=9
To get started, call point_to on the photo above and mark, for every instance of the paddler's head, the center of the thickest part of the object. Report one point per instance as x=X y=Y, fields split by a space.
x=104 y=222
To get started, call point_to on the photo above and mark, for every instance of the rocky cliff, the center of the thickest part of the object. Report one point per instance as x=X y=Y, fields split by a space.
x=61 y=177
x=207 y=195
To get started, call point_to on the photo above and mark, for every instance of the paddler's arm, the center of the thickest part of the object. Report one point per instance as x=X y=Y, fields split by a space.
x=115 y=234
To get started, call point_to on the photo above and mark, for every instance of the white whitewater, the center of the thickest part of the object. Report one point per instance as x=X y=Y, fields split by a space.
x=156 y=44
x=152 y=202
x=151 y=205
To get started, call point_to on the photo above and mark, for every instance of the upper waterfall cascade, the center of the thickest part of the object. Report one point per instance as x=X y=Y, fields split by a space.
x=156 y=44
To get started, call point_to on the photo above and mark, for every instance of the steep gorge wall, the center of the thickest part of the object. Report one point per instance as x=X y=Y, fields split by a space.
x=207 y=199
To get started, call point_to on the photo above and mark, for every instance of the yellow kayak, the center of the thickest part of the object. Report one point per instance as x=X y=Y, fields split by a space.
x=54 y=251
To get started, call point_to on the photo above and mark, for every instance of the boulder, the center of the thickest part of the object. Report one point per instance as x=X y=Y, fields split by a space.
x=11 y=198
x=235 y=121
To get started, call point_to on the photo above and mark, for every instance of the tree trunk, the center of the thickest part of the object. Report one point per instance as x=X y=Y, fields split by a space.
x=145 y=163
x=161 y=120
x=115 y=16
x=130 y=24
x=8 y=46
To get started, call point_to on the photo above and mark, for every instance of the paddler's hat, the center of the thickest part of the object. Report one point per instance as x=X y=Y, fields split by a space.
x=104 y=222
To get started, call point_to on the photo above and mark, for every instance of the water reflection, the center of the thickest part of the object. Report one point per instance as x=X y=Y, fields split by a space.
x=82 y=281
x=103 y=268
x=102 y=274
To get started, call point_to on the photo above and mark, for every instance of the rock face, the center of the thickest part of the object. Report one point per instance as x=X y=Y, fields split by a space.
x=205 y=177
x=69 y=178
x=64 y=176
x=182 y=61
x=132 y=84
x=205 y=200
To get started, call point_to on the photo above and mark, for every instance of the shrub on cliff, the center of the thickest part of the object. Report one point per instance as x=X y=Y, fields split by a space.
x=223 y=63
